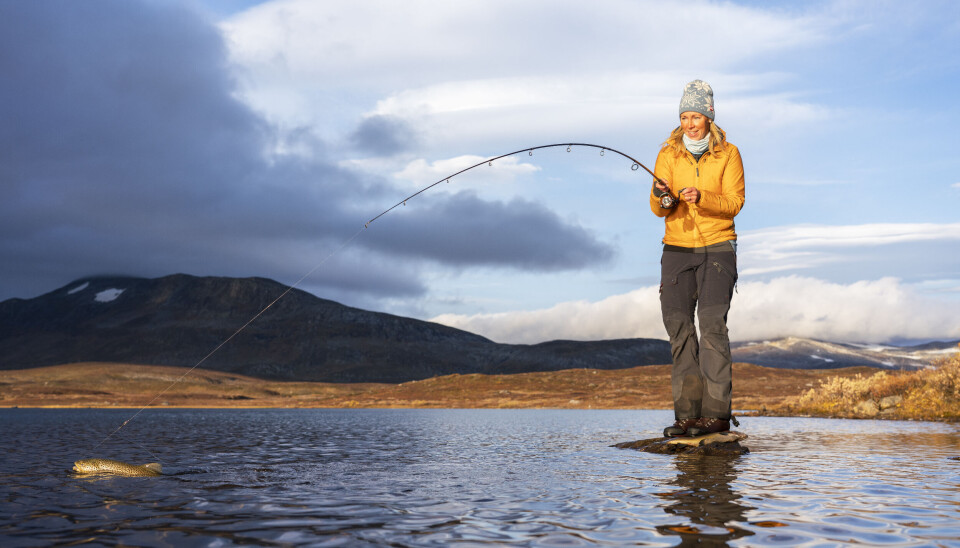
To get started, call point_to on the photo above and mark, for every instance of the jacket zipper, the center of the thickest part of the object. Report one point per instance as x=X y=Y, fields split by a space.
x=696 y=228
x=698 y=169
x=696 y=165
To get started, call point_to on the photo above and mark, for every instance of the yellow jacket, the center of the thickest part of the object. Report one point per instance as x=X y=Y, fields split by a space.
x=719 y=178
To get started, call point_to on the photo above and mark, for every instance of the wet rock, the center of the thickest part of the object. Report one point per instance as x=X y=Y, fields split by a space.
x=723 y=444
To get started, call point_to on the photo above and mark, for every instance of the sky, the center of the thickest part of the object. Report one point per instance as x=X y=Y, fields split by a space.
x=246 y=138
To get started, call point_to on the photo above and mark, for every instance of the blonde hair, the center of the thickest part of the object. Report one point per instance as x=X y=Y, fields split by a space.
x=718 y=140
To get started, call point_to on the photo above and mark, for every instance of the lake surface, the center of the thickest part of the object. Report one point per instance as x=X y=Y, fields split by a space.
x=470 y=478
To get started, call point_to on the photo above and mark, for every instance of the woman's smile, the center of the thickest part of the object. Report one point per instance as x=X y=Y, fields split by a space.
x=695 y=125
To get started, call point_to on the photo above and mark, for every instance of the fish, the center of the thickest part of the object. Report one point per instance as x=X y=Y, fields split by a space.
x=117 y=468
x=717 y=437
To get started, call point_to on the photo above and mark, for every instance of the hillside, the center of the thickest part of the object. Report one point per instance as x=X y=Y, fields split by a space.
x=177 y=320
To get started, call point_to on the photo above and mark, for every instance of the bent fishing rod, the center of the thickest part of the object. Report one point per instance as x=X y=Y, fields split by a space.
x=489 y=161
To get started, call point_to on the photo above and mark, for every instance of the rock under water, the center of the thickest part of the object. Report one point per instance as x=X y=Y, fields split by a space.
x=721 y=443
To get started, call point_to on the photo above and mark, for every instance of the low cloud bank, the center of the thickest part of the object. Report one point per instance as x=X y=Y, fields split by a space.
x=876 y=311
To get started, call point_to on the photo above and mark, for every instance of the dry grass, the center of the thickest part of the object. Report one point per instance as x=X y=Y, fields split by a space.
x=126 y=385
x=647 y=387
x=928 y=394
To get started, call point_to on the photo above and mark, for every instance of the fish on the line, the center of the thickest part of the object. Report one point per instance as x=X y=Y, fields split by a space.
x=117 y=468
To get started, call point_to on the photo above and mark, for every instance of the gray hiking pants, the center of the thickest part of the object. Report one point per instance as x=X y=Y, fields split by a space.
x=699 y=280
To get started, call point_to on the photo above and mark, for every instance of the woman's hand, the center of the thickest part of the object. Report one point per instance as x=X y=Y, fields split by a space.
x=662 y=185
x=690 y=195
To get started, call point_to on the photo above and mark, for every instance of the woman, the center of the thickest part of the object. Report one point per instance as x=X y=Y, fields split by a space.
x=699 y=263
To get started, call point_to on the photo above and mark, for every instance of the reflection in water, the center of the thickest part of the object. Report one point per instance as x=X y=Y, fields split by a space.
x=706 y=500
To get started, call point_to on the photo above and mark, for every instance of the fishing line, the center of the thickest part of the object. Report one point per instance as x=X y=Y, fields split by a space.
x=149 y=452
x=489 y=161
x=235 y=333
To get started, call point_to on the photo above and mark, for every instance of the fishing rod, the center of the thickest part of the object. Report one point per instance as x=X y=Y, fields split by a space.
x=489 y=161
x=637 y=164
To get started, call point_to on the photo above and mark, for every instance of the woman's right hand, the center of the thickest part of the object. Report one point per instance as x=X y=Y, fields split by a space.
x=662 y=185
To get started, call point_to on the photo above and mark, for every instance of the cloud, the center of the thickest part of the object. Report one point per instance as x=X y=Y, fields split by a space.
x=594 y=63
x=126 y=149
x=566 y=102
x=634 y=314
x=803 y=247
x=803 y=181
x=872 y=234
x=384 y=135
x=363 y=42
x=866 y=311
x=128 y=152
x=879 y=310
x=461 y=229
x=420 y=172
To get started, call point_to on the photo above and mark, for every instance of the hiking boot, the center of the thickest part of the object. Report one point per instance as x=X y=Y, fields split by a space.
x=679 y=428
x=708 y=425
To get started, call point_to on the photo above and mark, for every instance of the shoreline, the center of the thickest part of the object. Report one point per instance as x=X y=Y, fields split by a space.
x=747 y=414
x=128 y=386
x=399 y=407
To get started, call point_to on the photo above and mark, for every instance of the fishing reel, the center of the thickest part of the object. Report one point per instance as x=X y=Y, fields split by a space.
x=667 y=200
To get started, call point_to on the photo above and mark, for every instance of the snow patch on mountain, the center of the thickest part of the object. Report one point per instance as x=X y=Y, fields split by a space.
x=108 y=295
x=79 y=288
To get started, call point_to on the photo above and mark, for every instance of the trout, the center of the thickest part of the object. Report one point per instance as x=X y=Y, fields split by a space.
x=116 y=468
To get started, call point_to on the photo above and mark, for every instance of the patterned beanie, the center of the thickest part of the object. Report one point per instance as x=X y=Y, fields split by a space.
x=698 y=97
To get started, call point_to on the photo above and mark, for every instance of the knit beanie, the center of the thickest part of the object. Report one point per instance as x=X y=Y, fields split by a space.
x=698 y=97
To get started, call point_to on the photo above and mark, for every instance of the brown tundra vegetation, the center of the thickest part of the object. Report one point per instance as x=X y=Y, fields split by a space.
x=928 y=394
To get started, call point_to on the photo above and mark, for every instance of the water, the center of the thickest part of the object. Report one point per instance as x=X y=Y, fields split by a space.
x=470 y=478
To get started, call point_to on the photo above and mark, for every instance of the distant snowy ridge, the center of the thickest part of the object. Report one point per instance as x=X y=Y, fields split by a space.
x=800 y=353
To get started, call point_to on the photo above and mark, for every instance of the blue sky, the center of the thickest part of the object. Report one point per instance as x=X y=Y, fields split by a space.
x=254 y=138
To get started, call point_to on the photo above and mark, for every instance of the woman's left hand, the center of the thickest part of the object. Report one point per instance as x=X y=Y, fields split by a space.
x=690 y=195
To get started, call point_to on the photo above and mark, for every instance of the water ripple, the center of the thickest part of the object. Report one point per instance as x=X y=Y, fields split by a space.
x=470 y=478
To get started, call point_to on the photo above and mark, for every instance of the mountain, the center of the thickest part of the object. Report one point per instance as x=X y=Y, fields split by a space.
x=798 y=353
x=180 y=319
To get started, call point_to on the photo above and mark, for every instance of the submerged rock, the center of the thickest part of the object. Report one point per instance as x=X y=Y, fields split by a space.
x=721 y=443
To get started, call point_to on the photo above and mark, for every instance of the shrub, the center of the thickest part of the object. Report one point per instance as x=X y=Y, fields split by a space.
x=927 y=394
x=938 y=396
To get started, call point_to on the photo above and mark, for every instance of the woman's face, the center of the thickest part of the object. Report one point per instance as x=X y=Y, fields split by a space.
x=695 y=125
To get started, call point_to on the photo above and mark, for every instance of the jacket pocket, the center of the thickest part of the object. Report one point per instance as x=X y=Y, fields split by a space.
x=724 y=271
